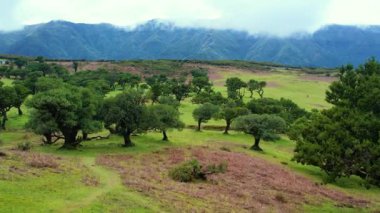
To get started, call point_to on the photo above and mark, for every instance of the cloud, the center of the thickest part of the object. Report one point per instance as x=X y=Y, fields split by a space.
x=8 y=15
x=277 y=17
x=364 y=12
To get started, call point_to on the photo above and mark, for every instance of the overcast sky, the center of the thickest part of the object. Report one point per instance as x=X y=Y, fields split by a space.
x=277 y=17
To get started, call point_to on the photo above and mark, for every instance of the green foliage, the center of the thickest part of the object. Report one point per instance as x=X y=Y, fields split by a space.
x=92 y=78
x=204 y=113
x=179 y=89
x=256 y=86
x=169 y=100
x=46 y=69
x=201 y=83
x=229 y=112
x=259 y=126
x=212 y=97
x=187 y=172
x=104 y=81
x=217 y=168
x=265 y=106
x=7 y=101
x=40 y=59
x=127 y=112
x=100 y=87
x=125 y=79
x=48 y=83
x=21 y=94
x=164 y=117
x=284 y=108
x=344 y=140
x=235 y=88
x=20 y=62
x=24 y=146
x=199 y=72
x=69 y=109
x=75 y=65
x=159 y=85
x=192 y=170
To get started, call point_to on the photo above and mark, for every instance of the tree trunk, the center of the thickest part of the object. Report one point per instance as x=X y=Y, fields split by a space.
x=165 y=137
x=48 y=139
x=70 y=139
x=256 y=146
x=261 y=93
x=228 y=124
x=199 y=125
x=19 y=110
x=5 y=118
x=127 y=138
x=84 y=136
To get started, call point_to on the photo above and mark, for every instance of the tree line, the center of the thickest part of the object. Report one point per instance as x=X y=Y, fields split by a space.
x=63 y=106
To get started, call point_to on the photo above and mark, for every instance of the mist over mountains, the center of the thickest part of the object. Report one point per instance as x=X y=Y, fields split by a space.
x=329 y=46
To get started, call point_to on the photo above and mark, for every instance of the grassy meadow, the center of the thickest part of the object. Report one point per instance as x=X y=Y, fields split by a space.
x=48 y=179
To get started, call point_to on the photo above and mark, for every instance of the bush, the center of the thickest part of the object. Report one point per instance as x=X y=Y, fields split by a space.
x=187 y=172
x=220 y=168
x=24 y=146
x=193 y=170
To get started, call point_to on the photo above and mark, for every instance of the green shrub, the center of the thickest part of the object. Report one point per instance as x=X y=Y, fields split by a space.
x=193 y=170
x=220 y=168
x=187 y=172
x=24 y=146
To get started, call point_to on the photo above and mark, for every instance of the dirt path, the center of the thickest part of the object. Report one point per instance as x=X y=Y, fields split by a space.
x=109 y=180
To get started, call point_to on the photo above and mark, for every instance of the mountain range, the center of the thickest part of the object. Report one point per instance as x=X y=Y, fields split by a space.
x=330 y=46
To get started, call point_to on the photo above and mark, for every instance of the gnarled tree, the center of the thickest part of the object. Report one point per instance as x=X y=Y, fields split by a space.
x=229 y=112
x=164 y=117
x=126 y=111
x=259 y=126
x=204 y=113
x=69 y=109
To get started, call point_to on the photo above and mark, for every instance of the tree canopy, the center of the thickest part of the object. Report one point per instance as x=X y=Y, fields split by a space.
x=229 y=112
x=235 y=88
x=256 y=86
x=284 y=108
x=204 y=113
x=69 y=109
x=259 y=126
x=7 y=101
x=127 y=111
x=164 y=117
x=344 y=140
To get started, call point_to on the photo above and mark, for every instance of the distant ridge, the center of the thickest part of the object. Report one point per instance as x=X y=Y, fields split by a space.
x=330 y=46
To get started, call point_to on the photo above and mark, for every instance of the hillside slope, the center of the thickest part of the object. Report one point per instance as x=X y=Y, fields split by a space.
x=330 y=46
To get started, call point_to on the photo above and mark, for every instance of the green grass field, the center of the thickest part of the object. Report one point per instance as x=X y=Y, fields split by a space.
x=80 y=184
